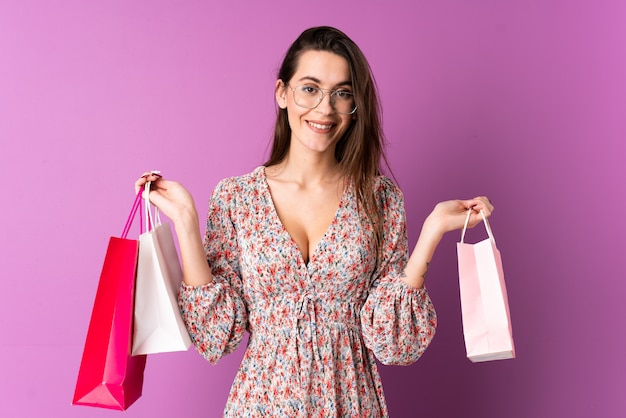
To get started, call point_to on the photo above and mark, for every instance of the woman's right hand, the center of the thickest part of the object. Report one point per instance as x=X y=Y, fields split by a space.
x=172 y=199
x=177 y=204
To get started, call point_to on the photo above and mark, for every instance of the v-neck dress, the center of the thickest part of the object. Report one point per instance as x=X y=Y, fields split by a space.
x=315 y=329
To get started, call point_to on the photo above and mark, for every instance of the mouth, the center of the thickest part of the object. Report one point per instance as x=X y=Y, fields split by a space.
x=321 y=127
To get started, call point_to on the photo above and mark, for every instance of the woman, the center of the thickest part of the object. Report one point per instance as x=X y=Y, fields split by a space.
x=309 y=251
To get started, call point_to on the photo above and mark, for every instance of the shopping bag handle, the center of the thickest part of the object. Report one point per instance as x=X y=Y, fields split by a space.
x=467 y=218
x=151 y=220
x=133 y=212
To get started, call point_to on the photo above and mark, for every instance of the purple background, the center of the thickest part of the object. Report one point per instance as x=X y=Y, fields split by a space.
x=523 y=101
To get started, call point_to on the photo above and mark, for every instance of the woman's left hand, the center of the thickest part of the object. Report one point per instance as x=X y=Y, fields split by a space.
x=447 y=216
x=450 y=215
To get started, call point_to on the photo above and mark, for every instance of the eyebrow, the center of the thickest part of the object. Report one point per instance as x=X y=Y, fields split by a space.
x=318 y=81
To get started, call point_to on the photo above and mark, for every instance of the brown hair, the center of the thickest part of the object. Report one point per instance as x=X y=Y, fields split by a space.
x=361 y=150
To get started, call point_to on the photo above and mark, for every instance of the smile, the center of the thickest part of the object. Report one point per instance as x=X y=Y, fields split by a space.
x=320 y=126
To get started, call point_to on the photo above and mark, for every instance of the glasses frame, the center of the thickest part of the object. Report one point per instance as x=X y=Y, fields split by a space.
x=324 y=93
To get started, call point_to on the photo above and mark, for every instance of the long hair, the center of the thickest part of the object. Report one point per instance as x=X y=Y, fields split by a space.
x=361 y=150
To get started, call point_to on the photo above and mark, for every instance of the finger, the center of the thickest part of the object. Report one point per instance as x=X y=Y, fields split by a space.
x=488 y=205
x=151 y=176
x=140 y=183
x=484 y=204
x=479 y=203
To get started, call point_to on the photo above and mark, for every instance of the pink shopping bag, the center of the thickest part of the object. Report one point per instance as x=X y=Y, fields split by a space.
x=484 y=302
x=109 y=377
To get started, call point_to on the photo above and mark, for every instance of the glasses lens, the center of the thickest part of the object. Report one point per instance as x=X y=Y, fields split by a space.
x=310 y=97
x=343 y=101
x=307 y=96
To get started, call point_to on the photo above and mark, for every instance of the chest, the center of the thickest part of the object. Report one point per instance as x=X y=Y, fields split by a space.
x=340 y=256
x=306 y=216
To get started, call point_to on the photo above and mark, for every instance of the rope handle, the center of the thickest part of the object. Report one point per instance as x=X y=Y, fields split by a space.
x=467 y=218
x=133 y=212
x=152 y=221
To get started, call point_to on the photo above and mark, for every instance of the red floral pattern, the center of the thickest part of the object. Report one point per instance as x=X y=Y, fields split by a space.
x=314 y=328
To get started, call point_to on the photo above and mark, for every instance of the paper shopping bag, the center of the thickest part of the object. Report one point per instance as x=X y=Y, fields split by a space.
x=109 y=377
x=159 y=326
x=484 y=302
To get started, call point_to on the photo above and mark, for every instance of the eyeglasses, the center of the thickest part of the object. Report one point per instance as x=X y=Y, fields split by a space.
x=309 y=97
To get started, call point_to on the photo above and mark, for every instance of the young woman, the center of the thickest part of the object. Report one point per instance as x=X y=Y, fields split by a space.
x=308 y=252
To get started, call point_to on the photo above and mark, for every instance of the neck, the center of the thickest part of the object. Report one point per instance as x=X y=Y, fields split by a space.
x=308 y=170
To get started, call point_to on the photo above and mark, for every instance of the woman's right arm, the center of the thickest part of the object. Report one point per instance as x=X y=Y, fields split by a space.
x=212 y=307
x=178 y=205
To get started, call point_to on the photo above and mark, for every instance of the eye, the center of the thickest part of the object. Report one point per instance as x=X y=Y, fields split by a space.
x=310 y=90
x=343 y=94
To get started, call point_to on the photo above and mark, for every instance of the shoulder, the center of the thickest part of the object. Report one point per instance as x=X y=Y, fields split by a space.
x=385 y=188
x=237 y=187
x=388 y=196
x=242 y=182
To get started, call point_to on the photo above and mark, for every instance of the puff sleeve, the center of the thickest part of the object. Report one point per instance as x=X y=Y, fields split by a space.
x=398 y=321
x=216 y=314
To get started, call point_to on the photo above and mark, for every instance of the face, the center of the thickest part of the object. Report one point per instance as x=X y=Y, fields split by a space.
x=318 y=129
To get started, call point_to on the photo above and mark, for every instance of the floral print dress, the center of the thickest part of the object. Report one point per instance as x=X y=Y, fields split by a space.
x=314 y=328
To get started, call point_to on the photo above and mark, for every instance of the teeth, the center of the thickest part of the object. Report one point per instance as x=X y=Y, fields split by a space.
x=318 y=126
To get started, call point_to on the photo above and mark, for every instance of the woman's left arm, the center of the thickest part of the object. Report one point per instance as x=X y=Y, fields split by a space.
x=447 y=216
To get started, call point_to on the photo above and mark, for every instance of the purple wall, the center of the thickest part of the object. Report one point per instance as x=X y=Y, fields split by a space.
x=521 y=100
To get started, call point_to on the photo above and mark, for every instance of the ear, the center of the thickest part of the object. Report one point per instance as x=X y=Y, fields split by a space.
x=281 y=94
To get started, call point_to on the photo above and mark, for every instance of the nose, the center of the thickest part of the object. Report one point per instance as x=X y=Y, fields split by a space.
x=326 y=106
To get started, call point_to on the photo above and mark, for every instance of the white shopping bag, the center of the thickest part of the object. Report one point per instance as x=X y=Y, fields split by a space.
x=158 y=325
x=484 y=302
